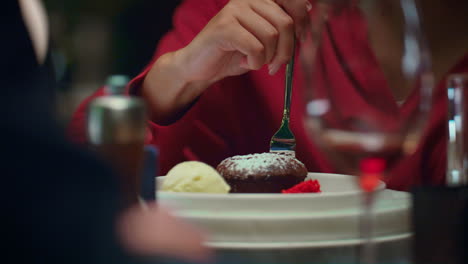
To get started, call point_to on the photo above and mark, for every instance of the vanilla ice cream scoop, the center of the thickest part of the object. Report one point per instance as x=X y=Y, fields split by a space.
x=194 y=176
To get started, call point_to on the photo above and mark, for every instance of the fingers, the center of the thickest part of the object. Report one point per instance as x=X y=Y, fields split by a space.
x=289 y=17
x=156 y=232
x=298 y=10
x=284 y=24
x=242 y=40
x=264 y=31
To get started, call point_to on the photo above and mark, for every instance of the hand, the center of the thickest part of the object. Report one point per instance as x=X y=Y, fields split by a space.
x=245 y=35
x=152 y=230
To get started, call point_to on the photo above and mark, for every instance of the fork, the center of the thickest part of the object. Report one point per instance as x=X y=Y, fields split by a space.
x=283 y=141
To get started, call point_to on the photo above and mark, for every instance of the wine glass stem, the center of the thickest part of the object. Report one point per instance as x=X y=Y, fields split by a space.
x=368 y=250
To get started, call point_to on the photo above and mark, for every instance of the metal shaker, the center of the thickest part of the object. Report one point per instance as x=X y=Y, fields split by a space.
x=116 y=84
x=116 y=127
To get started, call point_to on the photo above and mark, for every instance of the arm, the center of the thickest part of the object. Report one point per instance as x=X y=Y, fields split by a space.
x=244 y=35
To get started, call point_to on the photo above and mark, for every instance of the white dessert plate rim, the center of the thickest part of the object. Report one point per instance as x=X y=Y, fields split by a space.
x=302 y=245
x=283 y=217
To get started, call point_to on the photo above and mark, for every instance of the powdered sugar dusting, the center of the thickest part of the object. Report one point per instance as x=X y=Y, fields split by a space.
x=262 y=163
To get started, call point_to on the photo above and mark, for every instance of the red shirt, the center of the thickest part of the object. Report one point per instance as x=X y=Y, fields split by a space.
x=238 y=115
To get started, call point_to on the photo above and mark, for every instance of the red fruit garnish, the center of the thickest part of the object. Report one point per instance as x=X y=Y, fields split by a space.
x=310 y=186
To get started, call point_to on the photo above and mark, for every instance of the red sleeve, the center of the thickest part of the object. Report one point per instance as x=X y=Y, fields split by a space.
x=189 y=19
x=178 y=142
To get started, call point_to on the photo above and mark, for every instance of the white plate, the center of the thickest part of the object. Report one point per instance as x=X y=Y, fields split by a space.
x=338 y=192
x=391 y=218
x=305 y=245
x=330 y=218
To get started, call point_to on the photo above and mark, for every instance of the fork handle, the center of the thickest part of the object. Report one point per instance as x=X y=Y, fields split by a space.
x=288 y=85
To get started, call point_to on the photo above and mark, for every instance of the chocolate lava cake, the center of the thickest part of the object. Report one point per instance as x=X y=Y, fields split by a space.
x=262 y=173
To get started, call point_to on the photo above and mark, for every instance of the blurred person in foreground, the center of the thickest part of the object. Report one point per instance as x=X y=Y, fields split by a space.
x=60 y=204
x=214 y=88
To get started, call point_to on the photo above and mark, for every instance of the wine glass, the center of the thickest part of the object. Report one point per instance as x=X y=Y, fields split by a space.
x=368 y=87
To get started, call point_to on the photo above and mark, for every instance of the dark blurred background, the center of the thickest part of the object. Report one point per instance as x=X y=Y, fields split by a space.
x=94 y=39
